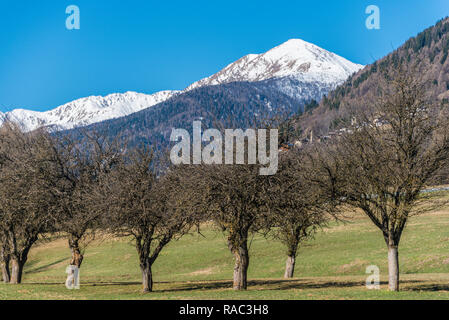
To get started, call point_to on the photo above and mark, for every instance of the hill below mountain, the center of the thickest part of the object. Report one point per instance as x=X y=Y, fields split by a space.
x=426 y=55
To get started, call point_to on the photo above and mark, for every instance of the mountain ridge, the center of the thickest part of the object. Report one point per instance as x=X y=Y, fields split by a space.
x=296 y=68
x=87 y=110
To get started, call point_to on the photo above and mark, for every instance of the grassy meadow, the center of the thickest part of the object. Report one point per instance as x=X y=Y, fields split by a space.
x=331 y=266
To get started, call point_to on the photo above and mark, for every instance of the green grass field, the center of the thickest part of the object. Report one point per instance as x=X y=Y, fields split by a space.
x=332 y=266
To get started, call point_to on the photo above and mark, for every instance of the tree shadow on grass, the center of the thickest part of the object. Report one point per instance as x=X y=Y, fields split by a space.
x=270 y=285
x=88 y=283
x=307 y=284
x=178 y=286
x=281 y=284
x=427 y=287
x=44 y=267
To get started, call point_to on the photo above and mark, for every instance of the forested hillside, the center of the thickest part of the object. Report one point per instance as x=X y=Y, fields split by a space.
x=426 y=54
x=238 y=102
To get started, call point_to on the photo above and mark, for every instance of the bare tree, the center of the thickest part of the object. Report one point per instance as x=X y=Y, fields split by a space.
x=146 y=205
x=388 y=155
x=27 y=178
x=81 y=163
x=298 y=206
x=234 y=197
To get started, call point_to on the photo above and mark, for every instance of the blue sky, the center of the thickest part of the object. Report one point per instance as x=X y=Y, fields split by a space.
x=147 y=46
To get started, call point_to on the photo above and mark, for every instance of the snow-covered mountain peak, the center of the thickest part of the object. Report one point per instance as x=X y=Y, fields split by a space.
x=293 y=58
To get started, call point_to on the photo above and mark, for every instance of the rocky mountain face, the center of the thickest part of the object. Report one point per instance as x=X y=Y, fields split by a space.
x=296 y=68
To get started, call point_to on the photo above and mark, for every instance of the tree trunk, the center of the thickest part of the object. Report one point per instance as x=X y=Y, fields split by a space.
x=77 y=257
x=292 y=248
x=147 y=277
x=393 y=268
x=4 y=265
x=16 y=270
x=290 y=267
x=241 y=266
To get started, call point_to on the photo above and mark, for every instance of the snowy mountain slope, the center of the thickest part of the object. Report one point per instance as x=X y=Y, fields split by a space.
x=88 y=110
x=299 y=69
x=295 y=58
x=300 y=90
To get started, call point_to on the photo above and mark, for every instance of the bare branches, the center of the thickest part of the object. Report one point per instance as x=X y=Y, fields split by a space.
x=27 y=197
x=139 y=202
x=81 y=165
x=388 y=155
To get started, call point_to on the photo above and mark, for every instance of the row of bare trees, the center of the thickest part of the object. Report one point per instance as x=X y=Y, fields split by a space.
x=54 y=186
x=388 y=154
